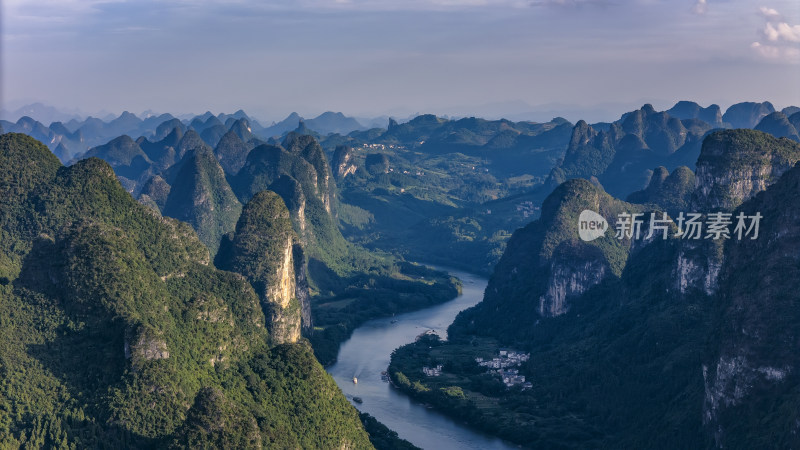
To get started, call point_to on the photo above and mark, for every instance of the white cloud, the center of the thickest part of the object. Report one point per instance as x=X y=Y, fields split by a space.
x=782 y=31
x=778 y=53
x=568 y=2
x=780 y=39
x=769 y=12
x=701 y=7
x=53 y=8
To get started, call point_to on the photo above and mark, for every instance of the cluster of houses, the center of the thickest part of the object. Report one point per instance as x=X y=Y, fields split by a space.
x=432 y=371
x=503 y=366
x=511 y=377
x=526 y=208
x=384 y=146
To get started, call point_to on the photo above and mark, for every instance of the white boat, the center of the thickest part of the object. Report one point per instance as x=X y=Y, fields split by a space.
x=355 y=380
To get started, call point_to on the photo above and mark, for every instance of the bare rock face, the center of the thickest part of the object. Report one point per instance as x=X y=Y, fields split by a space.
x=282 y=292
x=567 y=280
x=284 y=307
x=143 y=344
x=696 y=268
x=343 y=162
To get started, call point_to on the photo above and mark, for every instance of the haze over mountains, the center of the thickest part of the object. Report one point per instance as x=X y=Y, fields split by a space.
x=70 y=133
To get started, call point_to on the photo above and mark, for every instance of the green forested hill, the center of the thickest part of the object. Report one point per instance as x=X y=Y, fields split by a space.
x=263 y=249
x=201 y=196
x=116 y=332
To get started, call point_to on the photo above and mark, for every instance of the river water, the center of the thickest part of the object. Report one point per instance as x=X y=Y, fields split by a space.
x=366 y=354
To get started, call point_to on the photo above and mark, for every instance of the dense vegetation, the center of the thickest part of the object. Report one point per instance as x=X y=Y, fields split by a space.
x=349 y=283
x=382 y=437
x=116 y=332
x=419 y=188
x=201 y=197
x=206 y=189
x=669 y=191
x=649 y=355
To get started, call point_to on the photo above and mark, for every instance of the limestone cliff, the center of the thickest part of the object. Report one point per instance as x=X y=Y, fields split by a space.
x=571 y=277
x=755 y=362
x=546 y=264
x=86 y=272
x=142 y=344
x=302 y=291
x=263 y=250
x=734 y=165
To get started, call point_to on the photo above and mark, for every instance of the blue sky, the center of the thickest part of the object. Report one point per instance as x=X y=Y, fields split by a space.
x=373 y=57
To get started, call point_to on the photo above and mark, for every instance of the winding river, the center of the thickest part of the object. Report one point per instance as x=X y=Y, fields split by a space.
x=366 y=354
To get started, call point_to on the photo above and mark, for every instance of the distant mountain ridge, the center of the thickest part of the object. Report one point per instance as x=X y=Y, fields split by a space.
x=501 y=158
x=75 y=134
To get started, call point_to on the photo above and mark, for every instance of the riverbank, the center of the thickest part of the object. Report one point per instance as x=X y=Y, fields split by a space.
x=367 y=353
x=415 y=287
x=464 y=390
